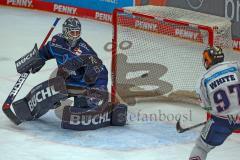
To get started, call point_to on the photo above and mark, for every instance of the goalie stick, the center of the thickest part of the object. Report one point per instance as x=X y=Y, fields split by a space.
x=181 y=130
x=7 y=104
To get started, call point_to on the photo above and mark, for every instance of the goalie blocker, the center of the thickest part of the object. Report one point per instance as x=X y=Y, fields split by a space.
x=30 y=62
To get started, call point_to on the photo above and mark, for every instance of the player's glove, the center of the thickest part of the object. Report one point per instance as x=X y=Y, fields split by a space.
x=73 y=64
x=91 y=74
x=69 y=67
x=90 y=60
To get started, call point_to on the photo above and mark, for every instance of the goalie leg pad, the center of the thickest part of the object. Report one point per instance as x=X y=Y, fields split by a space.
x=40 y=100
x=22 y=110
x=80 y=101
x=119 y=115
x=75 y=119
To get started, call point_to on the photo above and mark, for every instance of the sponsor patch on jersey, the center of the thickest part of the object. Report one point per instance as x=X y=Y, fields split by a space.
x=77 y=51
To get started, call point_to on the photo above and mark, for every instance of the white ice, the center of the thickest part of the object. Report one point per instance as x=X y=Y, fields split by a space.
x=45 y=140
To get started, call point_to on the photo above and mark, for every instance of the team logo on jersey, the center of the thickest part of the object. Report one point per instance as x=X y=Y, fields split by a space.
x=77 y=51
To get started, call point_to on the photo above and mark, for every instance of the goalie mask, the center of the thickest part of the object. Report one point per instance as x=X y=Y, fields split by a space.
x=212 y=56
x=71 y=30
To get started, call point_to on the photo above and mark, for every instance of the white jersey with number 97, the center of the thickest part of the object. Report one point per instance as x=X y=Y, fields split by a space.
x=219 y=89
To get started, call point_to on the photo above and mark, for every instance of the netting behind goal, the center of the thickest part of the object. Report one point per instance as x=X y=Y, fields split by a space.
x=157 y=52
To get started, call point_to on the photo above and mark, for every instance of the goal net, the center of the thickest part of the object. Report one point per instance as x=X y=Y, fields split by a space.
x=157 y=52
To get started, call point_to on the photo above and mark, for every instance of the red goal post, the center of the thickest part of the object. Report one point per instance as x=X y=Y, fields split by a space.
x=145 y=22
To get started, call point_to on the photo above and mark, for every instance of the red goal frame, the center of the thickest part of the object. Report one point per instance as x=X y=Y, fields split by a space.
x=118 y=11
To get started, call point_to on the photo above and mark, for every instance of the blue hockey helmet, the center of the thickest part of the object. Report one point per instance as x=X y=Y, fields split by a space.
x=71 y=30
x=212 y=55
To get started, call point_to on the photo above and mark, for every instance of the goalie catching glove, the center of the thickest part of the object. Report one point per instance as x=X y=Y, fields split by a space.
x=31 y=62
x=92 y=65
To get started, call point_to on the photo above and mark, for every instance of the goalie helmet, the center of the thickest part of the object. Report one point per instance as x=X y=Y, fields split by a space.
x=71 y=30
x=212 y=56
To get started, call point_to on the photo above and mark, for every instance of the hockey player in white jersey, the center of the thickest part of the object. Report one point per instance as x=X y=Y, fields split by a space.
x=219 y=92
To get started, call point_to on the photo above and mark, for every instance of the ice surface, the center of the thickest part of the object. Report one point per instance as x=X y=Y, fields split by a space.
x=141 y=139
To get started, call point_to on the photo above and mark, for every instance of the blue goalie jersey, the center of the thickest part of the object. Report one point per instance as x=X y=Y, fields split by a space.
x=59 y=49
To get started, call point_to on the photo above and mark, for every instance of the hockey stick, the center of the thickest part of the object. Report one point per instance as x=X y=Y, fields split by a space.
x=181 y=130
x=7 y=104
